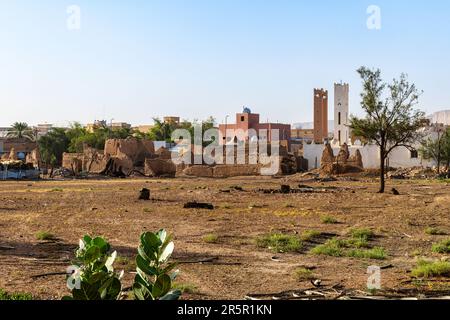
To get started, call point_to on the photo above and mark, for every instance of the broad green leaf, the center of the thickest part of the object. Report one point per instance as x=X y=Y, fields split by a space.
x=143 y=254
x=141 y=292
x=162 y=286
x=102 y=244
x=104 y=288
x=87 y=240
x=162 y=235
x=167 y=252
x=145 y=267
x=91 y=254
x=109 y=262
x=150 y=240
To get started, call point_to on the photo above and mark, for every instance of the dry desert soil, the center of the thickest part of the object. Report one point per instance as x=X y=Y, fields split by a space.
x=234 y=265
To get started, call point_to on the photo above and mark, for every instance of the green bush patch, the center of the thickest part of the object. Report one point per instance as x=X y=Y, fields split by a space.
x=279 y=242
x=432 y=231
x=211 y=238
x=427 y=269
x=309 y=235
x=376 y=253
x=362 y=233
x=302 y=274
x=44 y=235
x=442 y=247
x=356 y=247
x=14 y=296
x=329 y=220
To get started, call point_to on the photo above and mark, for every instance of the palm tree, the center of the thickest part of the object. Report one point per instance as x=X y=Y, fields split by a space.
x=20 y=130
x=161 y=131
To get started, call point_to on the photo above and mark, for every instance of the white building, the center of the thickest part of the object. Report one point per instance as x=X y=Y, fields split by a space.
x=341 y=109
x=400 y=157
x=441 y=117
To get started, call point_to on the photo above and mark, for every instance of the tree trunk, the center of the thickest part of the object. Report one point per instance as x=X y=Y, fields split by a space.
x=439 y=163
x=382 y=171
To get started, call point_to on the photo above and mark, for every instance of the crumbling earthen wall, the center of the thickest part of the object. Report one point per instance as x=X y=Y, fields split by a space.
x=159 y=167
x=342 y=163
x=122 y=157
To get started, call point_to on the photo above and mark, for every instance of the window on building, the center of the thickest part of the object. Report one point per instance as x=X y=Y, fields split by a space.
x=339 y=118
x=242 y=119
x=414 y=154
x=339 y=133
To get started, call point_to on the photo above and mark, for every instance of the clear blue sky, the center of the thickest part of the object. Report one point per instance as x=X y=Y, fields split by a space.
x=136 y=59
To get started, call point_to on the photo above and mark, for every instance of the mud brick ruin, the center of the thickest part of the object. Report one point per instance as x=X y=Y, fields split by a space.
x=342 y=163
x=124 y=157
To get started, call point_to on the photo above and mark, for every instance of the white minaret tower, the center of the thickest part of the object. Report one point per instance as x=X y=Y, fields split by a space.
x=341 y=129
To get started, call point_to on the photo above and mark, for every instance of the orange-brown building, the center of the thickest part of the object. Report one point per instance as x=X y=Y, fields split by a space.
x=21 y=146
x=320 y=115
x=247 y=121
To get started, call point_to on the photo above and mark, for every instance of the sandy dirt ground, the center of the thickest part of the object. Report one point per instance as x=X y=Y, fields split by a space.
x=110 y=208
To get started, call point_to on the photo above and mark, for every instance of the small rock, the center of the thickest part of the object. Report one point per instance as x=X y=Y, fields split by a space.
x=285 y=189
x=395 y=192
x=144 y=194
x=198 y=205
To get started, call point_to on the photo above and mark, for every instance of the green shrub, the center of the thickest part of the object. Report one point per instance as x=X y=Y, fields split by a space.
x=57 y=190
x=376 y=253
x=332 y=248
x=426 y=269
x=329 y=220
x=211 y=238
x=14 y=296
x=309 y=235
x=442 y=247
x=432 y=231
x=362 y=233
x=97 y=279
x=354 y=248
x=302 y=274
x=44 y=235
x=154 y=276
x=279 y=242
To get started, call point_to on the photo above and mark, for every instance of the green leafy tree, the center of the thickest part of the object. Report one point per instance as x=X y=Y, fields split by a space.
x=204 y=126
x=446 y=151
x=161 y=131
x=80 y=137
x=437 y=149
x=52 y=146
x=20 y=130
x=75 y=134
x=391 y=120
